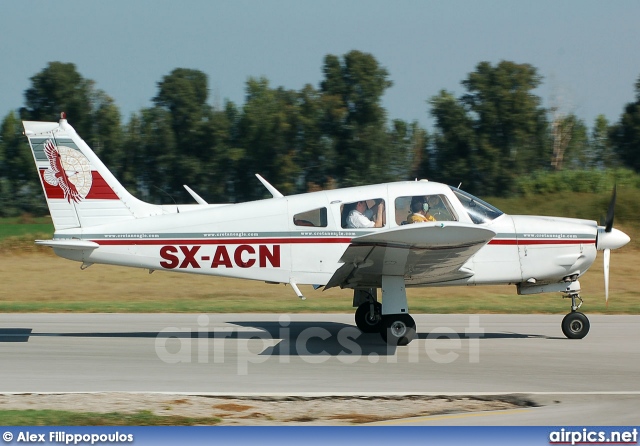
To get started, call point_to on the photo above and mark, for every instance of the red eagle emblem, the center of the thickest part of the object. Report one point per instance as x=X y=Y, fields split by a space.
x=57 y=175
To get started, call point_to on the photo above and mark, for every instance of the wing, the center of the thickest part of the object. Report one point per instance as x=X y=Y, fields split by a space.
x=423 y=253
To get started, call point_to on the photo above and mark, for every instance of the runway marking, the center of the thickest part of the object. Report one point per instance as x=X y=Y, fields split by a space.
x=450 y=417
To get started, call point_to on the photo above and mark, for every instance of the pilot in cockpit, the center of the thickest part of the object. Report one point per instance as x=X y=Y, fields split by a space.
x=358 y=218
x=420 y=211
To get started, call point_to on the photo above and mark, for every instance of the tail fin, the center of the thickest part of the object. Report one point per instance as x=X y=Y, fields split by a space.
x=79 y=189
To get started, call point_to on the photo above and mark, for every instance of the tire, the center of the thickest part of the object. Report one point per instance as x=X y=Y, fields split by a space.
x=398 y=329
x=366 y=322
x=575 y=325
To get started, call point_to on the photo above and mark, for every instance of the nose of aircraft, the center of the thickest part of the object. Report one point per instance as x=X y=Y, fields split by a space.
x=611 y=240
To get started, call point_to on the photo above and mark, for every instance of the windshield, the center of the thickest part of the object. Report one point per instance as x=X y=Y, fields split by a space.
x=479 y=211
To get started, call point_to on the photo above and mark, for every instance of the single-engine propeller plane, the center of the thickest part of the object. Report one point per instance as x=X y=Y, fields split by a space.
x=358 y=238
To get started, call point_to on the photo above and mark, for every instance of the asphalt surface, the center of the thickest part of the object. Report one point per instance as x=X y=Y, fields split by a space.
x=588 y=381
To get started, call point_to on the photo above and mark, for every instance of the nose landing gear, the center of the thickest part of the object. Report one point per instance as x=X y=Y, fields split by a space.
x=575 y=325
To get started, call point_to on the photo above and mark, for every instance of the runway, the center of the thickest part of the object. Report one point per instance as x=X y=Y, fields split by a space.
x=321 y=354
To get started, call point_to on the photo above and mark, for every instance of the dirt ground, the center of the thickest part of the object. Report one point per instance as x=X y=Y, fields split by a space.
x=285 y=410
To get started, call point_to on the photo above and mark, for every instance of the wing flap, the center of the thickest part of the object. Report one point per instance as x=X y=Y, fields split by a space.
x=423 y=253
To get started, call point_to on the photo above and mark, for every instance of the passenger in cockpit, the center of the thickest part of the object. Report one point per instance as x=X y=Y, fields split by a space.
x=420 y=211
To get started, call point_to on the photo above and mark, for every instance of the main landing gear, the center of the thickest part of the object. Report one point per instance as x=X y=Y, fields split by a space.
x=575 y=325
x=391 y=318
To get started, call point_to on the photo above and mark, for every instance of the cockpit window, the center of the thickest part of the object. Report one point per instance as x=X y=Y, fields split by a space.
x=479 y=211
x=423 y=208
x=364 y=214
x=315 y=217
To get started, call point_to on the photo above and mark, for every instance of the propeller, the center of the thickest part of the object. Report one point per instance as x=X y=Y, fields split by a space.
x=610 y=212
x=607 y=252
x=608 y=239
x=607 y=258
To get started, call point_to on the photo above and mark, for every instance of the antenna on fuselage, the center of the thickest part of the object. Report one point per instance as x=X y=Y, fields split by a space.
x=270 y=188
x=195 y=196
x=170 y=196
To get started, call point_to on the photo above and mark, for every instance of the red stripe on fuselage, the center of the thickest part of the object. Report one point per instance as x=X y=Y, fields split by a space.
x=519 y=242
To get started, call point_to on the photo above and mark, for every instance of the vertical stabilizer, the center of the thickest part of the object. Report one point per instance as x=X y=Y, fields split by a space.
x=79 y=189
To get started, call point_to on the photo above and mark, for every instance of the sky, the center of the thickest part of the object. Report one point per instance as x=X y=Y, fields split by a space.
x=587 y=51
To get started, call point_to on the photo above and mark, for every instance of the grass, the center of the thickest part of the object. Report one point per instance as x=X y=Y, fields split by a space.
x=32 y=279
x=41 y=282
x=67 y=418
x=25 y=225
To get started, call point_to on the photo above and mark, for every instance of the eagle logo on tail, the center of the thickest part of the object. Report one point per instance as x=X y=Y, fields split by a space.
x=69 y=169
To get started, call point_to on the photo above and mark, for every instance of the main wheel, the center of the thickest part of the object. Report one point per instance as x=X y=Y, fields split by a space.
x=398 y=329
x=367 y=322
x=575 y=325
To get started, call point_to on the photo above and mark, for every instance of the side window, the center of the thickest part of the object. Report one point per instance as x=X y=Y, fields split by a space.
x=364 y=214
x=315 y=217
x=423 y=208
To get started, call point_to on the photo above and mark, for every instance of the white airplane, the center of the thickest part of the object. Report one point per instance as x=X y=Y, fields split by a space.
x=311 y=238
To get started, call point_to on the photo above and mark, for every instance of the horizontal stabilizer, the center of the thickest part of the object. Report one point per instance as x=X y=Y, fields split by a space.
x=68 y=244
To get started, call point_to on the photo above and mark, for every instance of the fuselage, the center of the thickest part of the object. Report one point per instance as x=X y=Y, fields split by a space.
x=301 y=238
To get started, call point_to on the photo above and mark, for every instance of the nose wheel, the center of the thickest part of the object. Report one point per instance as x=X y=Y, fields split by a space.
x=575 y=325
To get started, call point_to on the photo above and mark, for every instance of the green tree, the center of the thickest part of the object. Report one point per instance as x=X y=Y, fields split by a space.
x=356 y=120
x=184 y=94
x=268 y=132
x=408 y=144
x=454 y=143
x=151 y=148
x=601 y=154
x=60 y=88
x=578 y=153
x=625 y=135
x=196 y=152
x=317 y=156
x=107 y=134
x=20 y=189
x=494 y=132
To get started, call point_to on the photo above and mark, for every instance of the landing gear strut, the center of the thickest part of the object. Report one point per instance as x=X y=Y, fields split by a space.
x=575 y=325
x=391 y=318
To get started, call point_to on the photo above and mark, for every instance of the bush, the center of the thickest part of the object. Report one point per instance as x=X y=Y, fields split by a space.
x=584 y=181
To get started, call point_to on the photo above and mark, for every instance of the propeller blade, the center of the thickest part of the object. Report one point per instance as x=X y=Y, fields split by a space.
x=610 y=212
x=607 y=258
